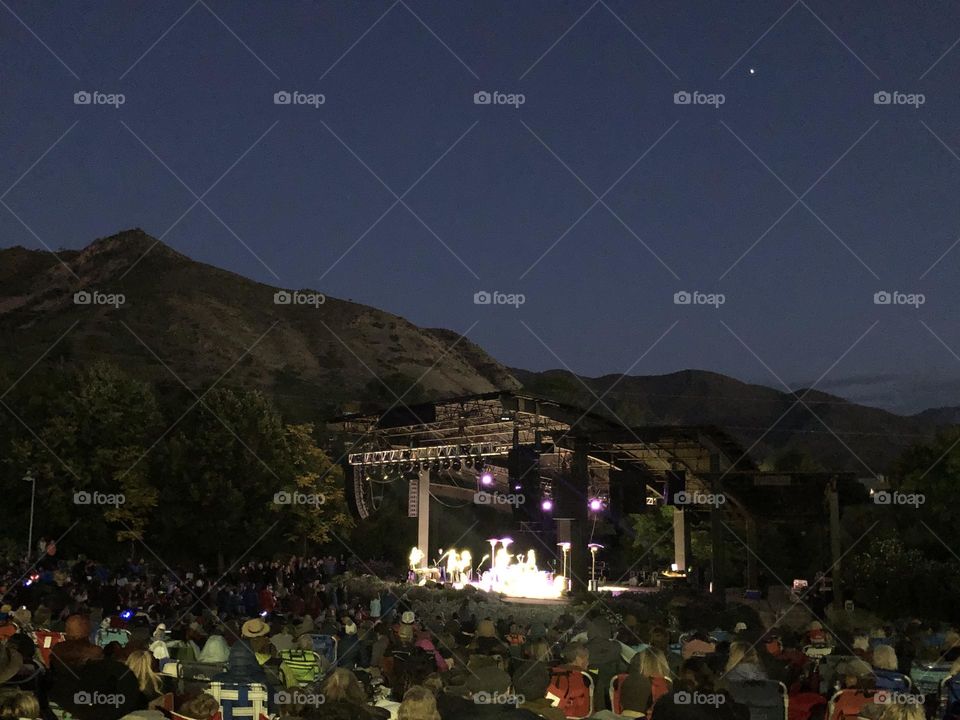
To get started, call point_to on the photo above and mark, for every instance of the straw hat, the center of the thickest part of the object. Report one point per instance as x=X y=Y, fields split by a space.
x=254 y=628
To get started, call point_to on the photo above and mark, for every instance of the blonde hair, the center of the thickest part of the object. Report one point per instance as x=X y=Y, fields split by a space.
x=884 y=658
x=741 y=652
x=650 y=662
x=20 y=705
x=903 y=711
x=418 y=703
x=139 y=662
x=955 y=667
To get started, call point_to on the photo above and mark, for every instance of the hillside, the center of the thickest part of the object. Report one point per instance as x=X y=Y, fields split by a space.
x=207 y=325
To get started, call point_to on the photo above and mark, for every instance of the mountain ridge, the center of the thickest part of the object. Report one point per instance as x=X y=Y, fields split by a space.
x=185 y=319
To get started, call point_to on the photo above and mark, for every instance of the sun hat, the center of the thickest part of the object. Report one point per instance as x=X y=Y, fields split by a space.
x=408 y=617
x=254 y=628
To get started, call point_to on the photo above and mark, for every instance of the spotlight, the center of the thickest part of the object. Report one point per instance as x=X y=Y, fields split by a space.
x=596 y=504
x=486 y=478
x=546 y=505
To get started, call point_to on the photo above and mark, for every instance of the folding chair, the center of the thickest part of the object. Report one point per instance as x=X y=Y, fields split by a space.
x=299 y=667
x=616 y=686
x=847 y=704
x=240 y=700
x=45 y=640
x=765 y=699
x=325 y=646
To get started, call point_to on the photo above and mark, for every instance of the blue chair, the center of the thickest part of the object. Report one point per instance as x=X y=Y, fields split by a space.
x=891 y=680
x=325 y=646
x=950 y=697
x=765 y=699
x=240 y=700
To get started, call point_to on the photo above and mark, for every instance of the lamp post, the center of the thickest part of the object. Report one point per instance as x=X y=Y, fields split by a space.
x=33 y=491
x=593 y=564
x=565 y=548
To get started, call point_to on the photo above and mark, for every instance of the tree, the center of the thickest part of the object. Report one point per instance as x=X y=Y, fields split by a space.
x=310 y=495
x=89 y=448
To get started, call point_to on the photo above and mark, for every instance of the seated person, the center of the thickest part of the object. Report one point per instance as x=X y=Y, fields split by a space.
x=697 y=696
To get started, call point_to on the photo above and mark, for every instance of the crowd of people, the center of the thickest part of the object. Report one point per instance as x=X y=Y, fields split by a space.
x=84 y=641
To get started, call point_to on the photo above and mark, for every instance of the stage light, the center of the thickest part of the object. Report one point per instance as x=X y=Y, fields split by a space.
x=546 y=505
x=486 y=478
x=596 y=504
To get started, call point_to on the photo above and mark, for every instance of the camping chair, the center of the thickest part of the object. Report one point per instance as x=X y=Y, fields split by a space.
x=616 y=686
x=325 y=646
x=891 y=680
x=45 y=640
x=299 y=667
x=766 y=699
x=200 y=671
x=848 y=704
x=240 y=700
x=105 y=636
x=950 y=698
x=660 y=686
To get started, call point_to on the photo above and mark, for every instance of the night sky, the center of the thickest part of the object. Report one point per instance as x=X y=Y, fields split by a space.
x=599 y=198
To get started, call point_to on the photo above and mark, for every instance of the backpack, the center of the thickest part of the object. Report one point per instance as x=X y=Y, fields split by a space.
x=570 y=688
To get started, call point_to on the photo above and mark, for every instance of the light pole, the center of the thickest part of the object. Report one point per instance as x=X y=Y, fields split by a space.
x=33 y=491
x=593 y=564
x=565 y=548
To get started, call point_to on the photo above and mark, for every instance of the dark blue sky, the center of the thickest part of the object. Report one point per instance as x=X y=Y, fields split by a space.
x=503 y=185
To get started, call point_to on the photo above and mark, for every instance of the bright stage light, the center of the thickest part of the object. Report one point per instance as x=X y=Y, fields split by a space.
x=486 y=478
x=546 y=505
x=596 y=505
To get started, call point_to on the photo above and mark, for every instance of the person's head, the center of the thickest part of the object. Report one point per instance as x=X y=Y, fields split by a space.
x=202 y=707
x=598 y=628
x=695 y=674
x=20 y=705
x=741 y=652
x=77 y=627
x=418 y=703
x=343 y=686
x=903 y=711
x=650 y=662
x=660 y=639
x=577 y=655
x=884 y=658
x=955 y=667
x=539 y=650
x=139 y=662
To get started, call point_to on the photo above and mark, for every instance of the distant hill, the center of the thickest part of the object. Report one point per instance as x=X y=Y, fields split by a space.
x=208 y=325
